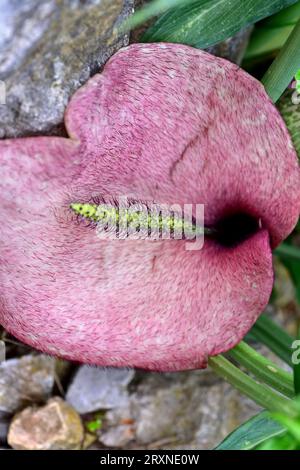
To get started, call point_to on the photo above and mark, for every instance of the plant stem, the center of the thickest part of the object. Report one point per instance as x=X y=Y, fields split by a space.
x=274 y=337
x=284 y=67
x=259 y=393
x=263 y=369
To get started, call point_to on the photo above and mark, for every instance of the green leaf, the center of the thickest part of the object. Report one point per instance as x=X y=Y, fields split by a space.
x=202 y=23
x=274 y=337
x=290 y=256
x=284 y=442
x=297 y=371
x=265 y=41
x=258 y=392
x=263 y=369
x=270 y=35
x=297 y=378
x=288 y=16
x=94 y=425
x=291 y=115
x=252 y=433
x=288 y=251
x=291 y=424
x=290 y=440
x=284 y=68
x=154 y=8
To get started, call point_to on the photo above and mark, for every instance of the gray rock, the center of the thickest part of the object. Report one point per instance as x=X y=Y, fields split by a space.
x=233 y=48
x=26 y=380
x=186 y=410
x=118 y=436
x=94 y=389
x=48 y=49
x=119 y=428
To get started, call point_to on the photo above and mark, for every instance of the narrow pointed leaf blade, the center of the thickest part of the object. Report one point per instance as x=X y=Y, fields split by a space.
x=252 y=433
x=203 y=23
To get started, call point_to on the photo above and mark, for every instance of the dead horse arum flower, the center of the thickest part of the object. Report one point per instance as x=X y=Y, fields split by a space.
x=163 y=122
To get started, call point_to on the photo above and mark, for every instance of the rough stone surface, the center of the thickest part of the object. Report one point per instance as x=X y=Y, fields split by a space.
x=188 y=408
x=233 y=48
x=119 y=427
x=55 y=426
x=48 y=49
x=118 y=436
x=95 y=388
x=185 y=410
x=24 y=381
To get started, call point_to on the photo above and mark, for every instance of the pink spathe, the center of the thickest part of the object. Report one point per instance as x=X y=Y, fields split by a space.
x=162 y=122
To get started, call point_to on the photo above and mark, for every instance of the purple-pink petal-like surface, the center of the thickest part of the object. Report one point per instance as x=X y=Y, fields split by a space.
x=163 y=122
